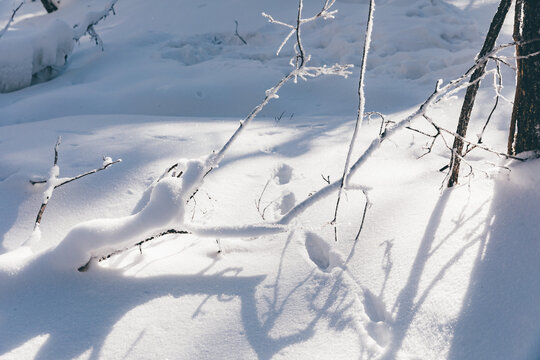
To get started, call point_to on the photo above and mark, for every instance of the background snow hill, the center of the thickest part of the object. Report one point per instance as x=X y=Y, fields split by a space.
x=434 y=275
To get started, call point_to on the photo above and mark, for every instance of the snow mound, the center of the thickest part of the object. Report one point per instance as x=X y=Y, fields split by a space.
x=165 y=209
x=39 y=54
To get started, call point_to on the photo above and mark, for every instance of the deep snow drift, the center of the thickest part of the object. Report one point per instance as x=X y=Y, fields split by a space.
x=435 y=274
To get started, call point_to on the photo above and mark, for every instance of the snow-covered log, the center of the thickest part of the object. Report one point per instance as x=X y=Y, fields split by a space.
x=34 y=55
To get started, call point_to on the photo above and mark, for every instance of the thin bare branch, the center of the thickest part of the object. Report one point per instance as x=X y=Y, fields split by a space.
x=5 y=29
x=238 y=35
x=361 y=106
x=86 y=266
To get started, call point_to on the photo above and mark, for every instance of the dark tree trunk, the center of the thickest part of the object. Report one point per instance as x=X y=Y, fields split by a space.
x=49 y=5
x=472 y=90
x=525 y=126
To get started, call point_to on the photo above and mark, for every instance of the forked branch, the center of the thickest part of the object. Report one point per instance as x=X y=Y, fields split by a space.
x=55 y=182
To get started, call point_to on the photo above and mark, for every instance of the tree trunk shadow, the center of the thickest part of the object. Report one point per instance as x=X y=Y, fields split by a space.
x=500 y=316
x=405 y=305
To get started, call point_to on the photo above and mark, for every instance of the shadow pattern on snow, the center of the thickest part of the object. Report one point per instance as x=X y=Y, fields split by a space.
x=500 y=317
x=80 y=318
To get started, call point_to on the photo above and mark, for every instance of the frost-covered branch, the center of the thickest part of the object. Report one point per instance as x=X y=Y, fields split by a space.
x=170 y=193
x=3 y=31
x=53 y=182
x=360 y=113
x=438 y=94
x=300 y=70
x=92 y=19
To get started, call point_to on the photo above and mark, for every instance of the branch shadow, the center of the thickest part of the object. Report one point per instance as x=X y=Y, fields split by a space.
x=410 y=300
x=500 y=315
x=79 y=311
x=81 y=317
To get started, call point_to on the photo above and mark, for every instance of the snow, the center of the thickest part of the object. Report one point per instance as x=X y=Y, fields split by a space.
x=434 y=274
x=30 y=54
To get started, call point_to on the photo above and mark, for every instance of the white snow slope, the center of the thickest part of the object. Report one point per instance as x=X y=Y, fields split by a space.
x=450 y=274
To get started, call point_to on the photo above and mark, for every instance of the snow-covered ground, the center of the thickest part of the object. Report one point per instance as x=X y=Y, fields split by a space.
x=450 y=274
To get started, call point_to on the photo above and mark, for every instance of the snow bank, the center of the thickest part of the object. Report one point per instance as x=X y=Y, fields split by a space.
x=34 y=54
x=165 y=209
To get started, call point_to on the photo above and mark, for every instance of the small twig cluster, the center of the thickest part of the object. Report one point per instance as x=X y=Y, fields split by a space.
x=92 y=19
x=54 y=182
x=262 y=209
x=300 y=69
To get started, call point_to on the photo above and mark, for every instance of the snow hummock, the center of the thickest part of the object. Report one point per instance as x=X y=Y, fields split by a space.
x=165 y=209
x=37 y=54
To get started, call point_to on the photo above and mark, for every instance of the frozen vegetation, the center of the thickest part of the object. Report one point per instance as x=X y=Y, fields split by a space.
x=201 y=244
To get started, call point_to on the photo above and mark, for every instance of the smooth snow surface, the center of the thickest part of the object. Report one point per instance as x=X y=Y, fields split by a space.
x=435 y=274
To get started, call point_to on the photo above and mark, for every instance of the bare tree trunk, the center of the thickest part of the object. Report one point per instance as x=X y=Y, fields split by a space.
x=472 y=90
x=49 y=5
x=525 y=126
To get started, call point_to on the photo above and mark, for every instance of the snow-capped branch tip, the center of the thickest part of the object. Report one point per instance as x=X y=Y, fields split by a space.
x=92 y=19
x=5 y=29
x=54 y=182
x=295 y=29
x=300 y=70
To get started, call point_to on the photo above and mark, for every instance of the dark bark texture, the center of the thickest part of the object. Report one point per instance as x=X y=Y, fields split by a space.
x=472 y=90
x=49 y=5
x=525 y=128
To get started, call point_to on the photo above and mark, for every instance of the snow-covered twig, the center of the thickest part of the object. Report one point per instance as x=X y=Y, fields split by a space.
x=497 y=85
x=361 y=106
x=300 y=70
x=92 y=259
x=3 y=31
x=54 y=182
x=438 y=94
x=170 y=193
x=92 y=19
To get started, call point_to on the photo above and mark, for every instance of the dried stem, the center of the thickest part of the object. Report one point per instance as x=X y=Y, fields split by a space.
x=5 y=29
x=86 y=266
x=361 y=106
x=238 y=35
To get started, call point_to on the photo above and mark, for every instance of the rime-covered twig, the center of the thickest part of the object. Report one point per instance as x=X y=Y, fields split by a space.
x=497 y=85
x=92 y=19
x=300 y=70
x=203 y=168
x=54 y=181
x=360 y=113
x=107 y=161
x=3 y=31
x=438 y=94
x=238 y=35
